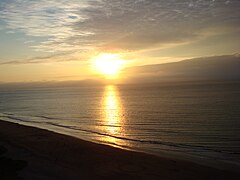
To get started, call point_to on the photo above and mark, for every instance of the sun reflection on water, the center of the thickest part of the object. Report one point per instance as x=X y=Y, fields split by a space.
x=113 y=115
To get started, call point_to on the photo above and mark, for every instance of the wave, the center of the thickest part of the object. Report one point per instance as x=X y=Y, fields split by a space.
x=175 y=146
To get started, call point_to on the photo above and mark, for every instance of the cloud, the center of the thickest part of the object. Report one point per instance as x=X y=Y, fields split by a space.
x=75 y=26
x=44 y=18
x=224 y=67
x=60 y=57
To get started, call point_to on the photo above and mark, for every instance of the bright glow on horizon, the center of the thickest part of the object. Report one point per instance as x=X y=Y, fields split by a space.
x=108 y=64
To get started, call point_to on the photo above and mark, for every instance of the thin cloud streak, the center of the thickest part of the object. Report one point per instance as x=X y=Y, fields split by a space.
x=61 y=57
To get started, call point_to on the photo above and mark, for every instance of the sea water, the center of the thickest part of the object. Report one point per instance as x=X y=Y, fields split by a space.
x=190 y=119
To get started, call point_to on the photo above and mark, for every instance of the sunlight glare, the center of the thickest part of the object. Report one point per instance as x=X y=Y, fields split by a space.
x=113 y=115
x=108 y=64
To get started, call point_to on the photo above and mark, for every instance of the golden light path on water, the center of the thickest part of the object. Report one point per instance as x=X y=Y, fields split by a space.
x=113 y=115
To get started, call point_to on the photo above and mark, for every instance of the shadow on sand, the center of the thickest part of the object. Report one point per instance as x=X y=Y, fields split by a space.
x=9 y=168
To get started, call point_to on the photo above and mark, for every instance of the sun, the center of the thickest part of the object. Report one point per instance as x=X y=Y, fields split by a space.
x=108 y=64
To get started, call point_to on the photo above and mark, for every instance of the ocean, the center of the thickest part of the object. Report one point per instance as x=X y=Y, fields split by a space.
x=190 y=120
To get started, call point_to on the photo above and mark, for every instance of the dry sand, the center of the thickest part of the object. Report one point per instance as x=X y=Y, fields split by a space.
x=51 y=155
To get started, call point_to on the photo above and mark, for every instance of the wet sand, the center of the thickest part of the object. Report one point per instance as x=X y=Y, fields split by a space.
x=48 y=155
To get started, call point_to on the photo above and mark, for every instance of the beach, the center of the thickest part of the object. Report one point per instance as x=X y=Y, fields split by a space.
x=49 y=155
x=119 y=90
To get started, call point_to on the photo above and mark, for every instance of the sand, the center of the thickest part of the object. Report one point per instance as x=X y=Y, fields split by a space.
x=48 y=155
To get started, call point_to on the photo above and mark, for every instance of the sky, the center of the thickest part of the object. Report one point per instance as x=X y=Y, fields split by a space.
x=57 y=40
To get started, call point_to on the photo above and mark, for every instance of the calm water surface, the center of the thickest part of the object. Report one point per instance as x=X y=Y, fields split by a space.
x=194 y=120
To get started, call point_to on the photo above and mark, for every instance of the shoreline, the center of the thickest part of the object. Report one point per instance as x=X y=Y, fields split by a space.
x=51 y=155
x=197 y=159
